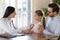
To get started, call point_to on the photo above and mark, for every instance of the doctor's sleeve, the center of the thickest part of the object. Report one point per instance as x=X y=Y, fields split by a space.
x=2 y=28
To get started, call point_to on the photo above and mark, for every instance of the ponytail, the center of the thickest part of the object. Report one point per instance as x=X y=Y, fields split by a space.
x=44 y=21
x=39 y=13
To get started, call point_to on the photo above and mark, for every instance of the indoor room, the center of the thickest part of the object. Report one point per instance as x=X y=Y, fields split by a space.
x=29 y=19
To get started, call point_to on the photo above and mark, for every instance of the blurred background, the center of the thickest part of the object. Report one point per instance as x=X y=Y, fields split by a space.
x=25 y=9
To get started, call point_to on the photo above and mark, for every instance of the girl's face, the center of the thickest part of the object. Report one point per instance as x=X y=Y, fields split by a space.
x=36 y=17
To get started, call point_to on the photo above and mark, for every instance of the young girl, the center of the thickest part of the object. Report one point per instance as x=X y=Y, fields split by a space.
x=38 y=25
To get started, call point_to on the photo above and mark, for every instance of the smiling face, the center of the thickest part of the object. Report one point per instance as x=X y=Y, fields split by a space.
x=53 y=9
x=12 y=15
x=50 y=12
x=36 y=17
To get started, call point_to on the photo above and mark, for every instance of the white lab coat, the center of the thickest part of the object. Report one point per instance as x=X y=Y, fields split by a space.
x=6 y=26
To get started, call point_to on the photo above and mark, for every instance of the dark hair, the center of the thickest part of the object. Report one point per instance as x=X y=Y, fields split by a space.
x=8 y=11
x=39 y=13
x=54 y=6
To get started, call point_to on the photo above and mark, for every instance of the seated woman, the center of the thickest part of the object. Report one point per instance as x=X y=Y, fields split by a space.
x=38 y=25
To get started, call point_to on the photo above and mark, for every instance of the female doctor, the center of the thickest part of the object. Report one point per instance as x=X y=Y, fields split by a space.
x=6 y=24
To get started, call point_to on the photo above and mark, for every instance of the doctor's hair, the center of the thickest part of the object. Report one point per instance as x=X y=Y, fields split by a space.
x=39 y=13
x=9 y=10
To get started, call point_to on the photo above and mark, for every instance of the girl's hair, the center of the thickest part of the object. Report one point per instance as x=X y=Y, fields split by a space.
x=39 y=13
x=8 y=11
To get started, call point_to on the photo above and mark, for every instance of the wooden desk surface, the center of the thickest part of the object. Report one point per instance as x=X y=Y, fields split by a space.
x=30 y=37
x=4 y=39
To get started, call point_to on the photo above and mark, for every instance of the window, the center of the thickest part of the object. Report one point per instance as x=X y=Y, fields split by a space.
x=23 y=9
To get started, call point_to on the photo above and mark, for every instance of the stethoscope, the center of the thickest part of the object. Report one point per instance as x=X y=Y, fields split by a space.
x=11 y=23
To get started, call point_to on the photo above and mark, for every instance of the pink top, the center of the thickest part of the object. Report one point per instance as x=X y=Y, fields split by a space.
x=36 y=26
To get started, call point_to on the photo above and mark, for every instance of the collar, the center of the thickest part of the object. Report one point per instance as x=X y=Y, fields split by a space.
x=6 y=19
x=54 y=18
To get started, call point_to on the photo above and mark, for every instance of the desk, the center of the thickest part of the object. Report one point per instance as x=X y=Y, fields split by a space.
x=30 y=37
x=4 y=39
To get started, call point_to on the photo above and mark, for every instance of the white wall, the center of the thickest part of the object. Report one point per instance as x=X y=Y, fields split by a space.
x=1 y=12
x=38 y=4
x=0 y=9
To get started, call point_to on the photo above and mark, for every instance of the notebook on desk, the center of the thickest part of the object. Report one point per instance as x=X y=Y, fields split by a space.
x=18 y=34
x=11 y=36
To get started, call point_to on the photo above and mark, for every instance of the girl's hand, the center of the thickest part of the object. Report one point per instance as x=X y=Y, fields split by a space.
x=24 y=31
x=41 y=28
x=28 y=30
x=32 y=25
